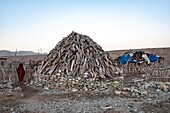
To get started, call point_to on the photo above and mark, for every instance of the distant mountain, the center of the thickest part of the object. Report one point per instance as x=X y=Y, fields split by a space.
x=19 y=53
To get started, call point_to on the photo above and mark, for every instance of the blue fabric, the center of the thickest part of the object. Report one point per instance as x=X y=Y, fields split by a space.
x=126 y=58
x=153 y=58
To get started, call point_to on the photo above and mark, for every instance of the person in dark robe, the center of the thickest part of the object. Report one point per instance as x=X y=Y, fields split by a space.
x=21 y=73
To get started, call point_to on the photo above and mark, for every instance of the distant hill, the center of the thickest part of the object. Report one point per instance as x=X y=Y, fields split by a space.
x=19 y=53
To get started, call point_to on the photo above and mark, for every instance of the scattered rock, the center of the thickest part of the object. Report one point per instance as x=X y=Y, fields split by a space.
x=9 y=94
x=18 y=89
x=22 y=95
x=74 y=90
x=46 y=88
x=118 y=92
x=165 y=88
x=106 y=107
x=145 y=93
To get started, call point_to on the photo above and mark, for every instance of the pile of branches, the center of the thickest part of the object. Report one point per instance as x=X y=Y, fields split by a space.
x=77 y=55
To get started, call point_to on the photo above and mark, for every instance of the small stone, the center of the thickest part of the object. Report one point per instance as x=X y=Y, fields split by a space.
x=106 y=107
x=146 y=86
x=86 y=75
x=58 y=74
x=158 y=90
x=145 y=93
x=62 y=88
x=73 y=82
x=126 y=89
x=59 y=71
x=116 y=82
x=135 y=110
x=8 y=94
x=12 y=109
x=18 y=89
x=124 y=93
x=78 y=78
x=74 y=90
x=85 y=88
x=118 y=92
x=165 y=88
x=149 y=99
x=92 y=84
x=48 y=85
x=22 y=95
x=10 y=86
x=46 y=88
x=76 y=82
x=40 y=85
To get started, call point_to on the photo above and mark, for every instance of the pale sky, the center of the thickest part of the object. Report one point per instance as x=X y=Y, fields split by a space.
x=113 y=24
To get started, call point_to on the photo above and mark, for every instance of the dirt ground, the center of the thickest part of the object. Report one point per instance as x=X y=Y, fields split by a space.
x=36 y=100
x=10 y=104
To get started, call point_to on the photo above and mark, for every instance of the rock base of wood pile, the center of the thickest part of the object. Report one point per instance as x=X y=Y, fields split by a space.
x=77 y=63
x=70 y=83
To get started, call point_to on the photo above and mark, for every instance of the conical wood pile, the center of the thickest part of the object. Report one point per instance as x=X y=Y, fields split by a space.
x=76 y=63
x=77 y=55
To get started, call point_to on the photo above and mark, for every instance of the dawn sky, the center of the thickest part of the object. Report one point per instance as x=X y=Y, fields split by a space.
x=113 y=24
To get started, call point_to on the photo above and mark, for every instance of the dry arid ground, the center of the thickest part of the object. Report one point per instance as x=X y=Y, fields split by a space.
x=22 y=98
x=31 y=100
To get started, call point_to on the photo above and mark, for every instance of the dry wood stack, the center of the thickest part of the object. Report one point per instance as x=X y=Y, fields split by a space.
x=76 y=58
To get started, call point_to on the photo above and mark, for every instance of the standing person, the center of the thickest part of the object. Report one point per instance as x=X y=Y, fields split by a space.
x=21 y=72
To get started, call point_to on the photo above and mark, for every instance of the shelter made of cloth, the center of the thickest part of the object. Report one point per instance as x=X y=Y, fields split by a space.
x=128 y=57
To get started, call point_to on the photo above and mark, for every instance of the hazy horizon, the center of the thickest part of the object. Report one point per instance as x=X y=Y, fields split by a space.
x=31 y=25
x=106 y=50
